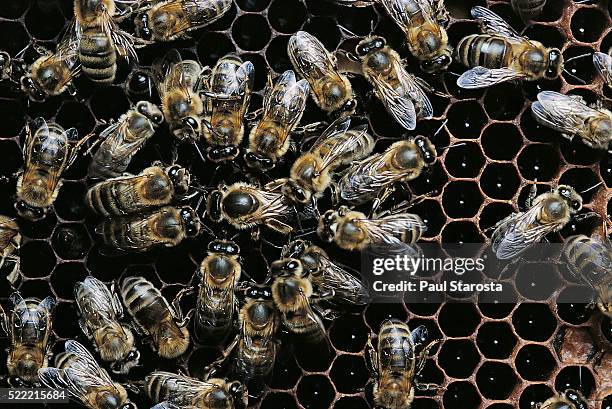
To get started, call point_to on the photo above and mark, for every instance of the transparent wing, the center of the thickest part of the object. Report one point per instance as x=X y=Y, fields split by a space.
x=603 y=64
x=123 y=42
x=400 y=11
x=561 y=112
x=287 y=100
x=67 y=50
x=348 y=289
x=339 y=126
x=197 y=14
x=185 y=388
x=481 y=77
x=100 y=301
x=390 y=228
x=400 y=107
x=310 y=57
x=494 y=25
x=37 y=129
x=414 y=90
x=358 y=142
x=115 y=142
x=85 y=363
x=245 y=75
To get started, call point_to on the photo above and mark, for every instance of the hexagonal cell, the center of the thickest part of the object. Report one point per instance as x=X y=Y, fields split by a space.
x=70 y=203
x=424 y=309
x=109 y=102
x=13 y=161
x=349 y=373
x=573 y=304
x=243 y=34
x=494 y=212
x=252 y=5
x=500 y=181
x=535 y=362
x=351 y=402
x=534 y=322
x=583 y=180
x=286 y=373
x=578 y=378
x=73 y=114
x=462 y=199
x=13 y=9
x=458 y=320
x=357 y=20
x=201 y=357
x=15 y=37
x=606 y=328
x=501 y=141
x=496 y=380
x=65 y=276
x=44 y=20
x=537 y=281
x=213 y=46
x=461 y=394
x=464 y=161
x=581 y=70
x=588 y=24
x=458 y=358
x=500 y=406
x=466 y=119
x=533 y=395
x=37 y=259
x=279 y=400
x=14 y=120
x=504 y=101
x=461 y=232
x=349 y=333
x=175 y=266
x=315 y=391
x=104 y=267
x=605 y=170
x=496 y=340
x=536 y=132
x=71 y=241
x=286 y=16
x=432 y=214
x=549 y=35
x=40 y=229
x=276 y=54
x=538 y=161
x=431 y=181
x=37 y=288
x=375 y=314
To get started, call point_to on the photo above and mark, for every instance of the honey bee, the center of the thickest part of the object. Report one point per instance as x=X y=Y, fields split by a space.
x=375 y=176
x=353 y=230
x=283 y=106
x=123 y=139
x=78 y=372
x=151 y=188
x=51 y=74
x=166 y=226
x=396 y=363
x=100 y=310
x=227 y=97
x=6 y=65
x=219 y=272
x=178 y=83
x=572 y=117
x=48 y=151
x=547 y=213
x=590 y=259
x=244 y=206
x=528 y=9
x=423 y=24
x=28 y=327
x=155 y=317
x=569 y=399
x=10 y=241
x=398 y=90
x=170 y=20
x=179 y=391
x=503 y=55
x=330 y=89
x=603 y=64
x=311 y=173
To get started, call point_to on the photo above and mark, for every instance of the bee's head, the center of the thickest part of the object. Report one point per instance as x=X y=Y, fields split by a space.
x=427 y=149
x=192 y=221
x=437 y=64
x=180 y=178
x=369 y=44
x=32 y=213
x=555 y=64
x=571 y=197
x=31 y=89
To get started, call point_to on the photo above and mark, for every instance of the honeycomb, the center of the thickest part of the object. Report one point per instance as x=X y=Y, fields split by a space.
x=494 y=355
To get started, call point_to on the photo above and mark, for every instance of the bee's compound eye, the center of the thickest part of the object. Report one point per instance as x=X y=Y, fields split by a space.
x=191 y=121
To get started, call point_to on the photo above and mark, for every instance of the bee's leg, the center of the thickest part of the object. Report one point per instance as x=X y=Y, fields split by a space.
x=424 y=387
x=427 y=87
x=176 y=303
x=135 y=387
x=533 y=192
x=441 y=14
x=40 y=49
x=371 y=356
x=587 y=215
x=312 y=127
x=424 y=354
x=382 y=196
x=14 y=274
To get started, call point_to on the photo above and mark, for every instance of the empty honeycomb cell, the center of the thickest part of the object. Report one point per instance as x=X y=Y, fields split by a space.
x=582 y=70
x=606 y=328
x=432 y=214
x=70 y=204
x=279 y=400
x=450 y=83
x=581 y=224
x=276 y=54
x=466 y=119
x=496 y=340
x=286 y=16
x=423 y=309
x=548 y=35
x=349 y=373
x=261 y=70
x=73 y=114
x=500 y=406
x=577 y=153
x=13 y=9
x=462 y=199
x=504 y=102
x=200 y=358
x=376 y=313
x=588 y=24
x=537 y=281
x=15 y=37
x=65 y=327
x=496 y=380
x=534 y=394
x=534 y=322
x=501 y=141
x=37 y=288
x=461 y=232
x=552 y=11
x=568 y=307
x=109 y=103
x=357 y=20
x=40 y=229
x=315 y=391
x=103 y=266
x=458 y=320
x=491 y=308
x=64 y=278
x=44 y=22
x=458 y=358
x=70 y=241
x=464 y=161
x=381 y=121
x=461 y=394
x=538 y=162
x=500 y=181
x=252 y=5
x=578 y=378
x=430 y=181
x=582 y=179
x=535 y=362
x=286 y=372
x=243 y=34
x=37 y=259
x=13 y=119
x=213 y=46
x=351 y=402
x=349 y=333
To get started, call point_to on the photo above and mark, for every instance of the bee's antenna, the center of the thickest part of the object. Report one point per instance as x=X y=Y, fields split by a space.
x=578 y=56
x=441 y=127
x=591 y=188
x=195 y=144
x=580 y=80
x=347 y=31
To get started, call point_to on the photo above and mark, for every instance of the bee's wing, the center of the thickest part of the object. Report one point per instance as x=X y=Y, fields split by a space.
x=399 y=11
x=171 y=72
x=598 y=252
x=37 y=129
x=68 y=49
x=348 y=289
x=339 y=126
x=399 y=106
x=354 y=142
x=603 y=63
x=100 y=301
x=114 y=137
x=187 y=389
x=365 y=178
x=85 y=362
x=245 y=76
x=196 y=14
x=414 y=90
x=310 y=57
x=122 y=41
x=388 y=229
x=419 y=335
x=287 y=100
x=494 y=25
x=273 y=206
x=561 y=112
x=481 y=77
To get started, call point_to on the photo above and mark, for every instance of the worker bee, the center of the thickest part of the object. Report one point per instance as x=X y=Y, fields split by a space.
x=396 y=363
x=502 y=54
x=219 y=272
x=178 y=83
x=590 y=259
x=528 y=9
x=226 y=100
x=375 y=176
x=151 y=188
x=547 y=213
x=166 y=226
x=99 y=311
x=48 y=151
x=170 y=20
x=353 y=230
x=78 y=372
x=603 y=64
x=155 y=317
x=28 y=327
x=570 y=399
x=311 y=173
x=10 y=241
x=122 y=140
x=330 y=89
x=245 y=206
x=51 y=74
x=398 y=90
x=423 y=24
x=572 y=117
x=179 y=391
x=283 y=107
